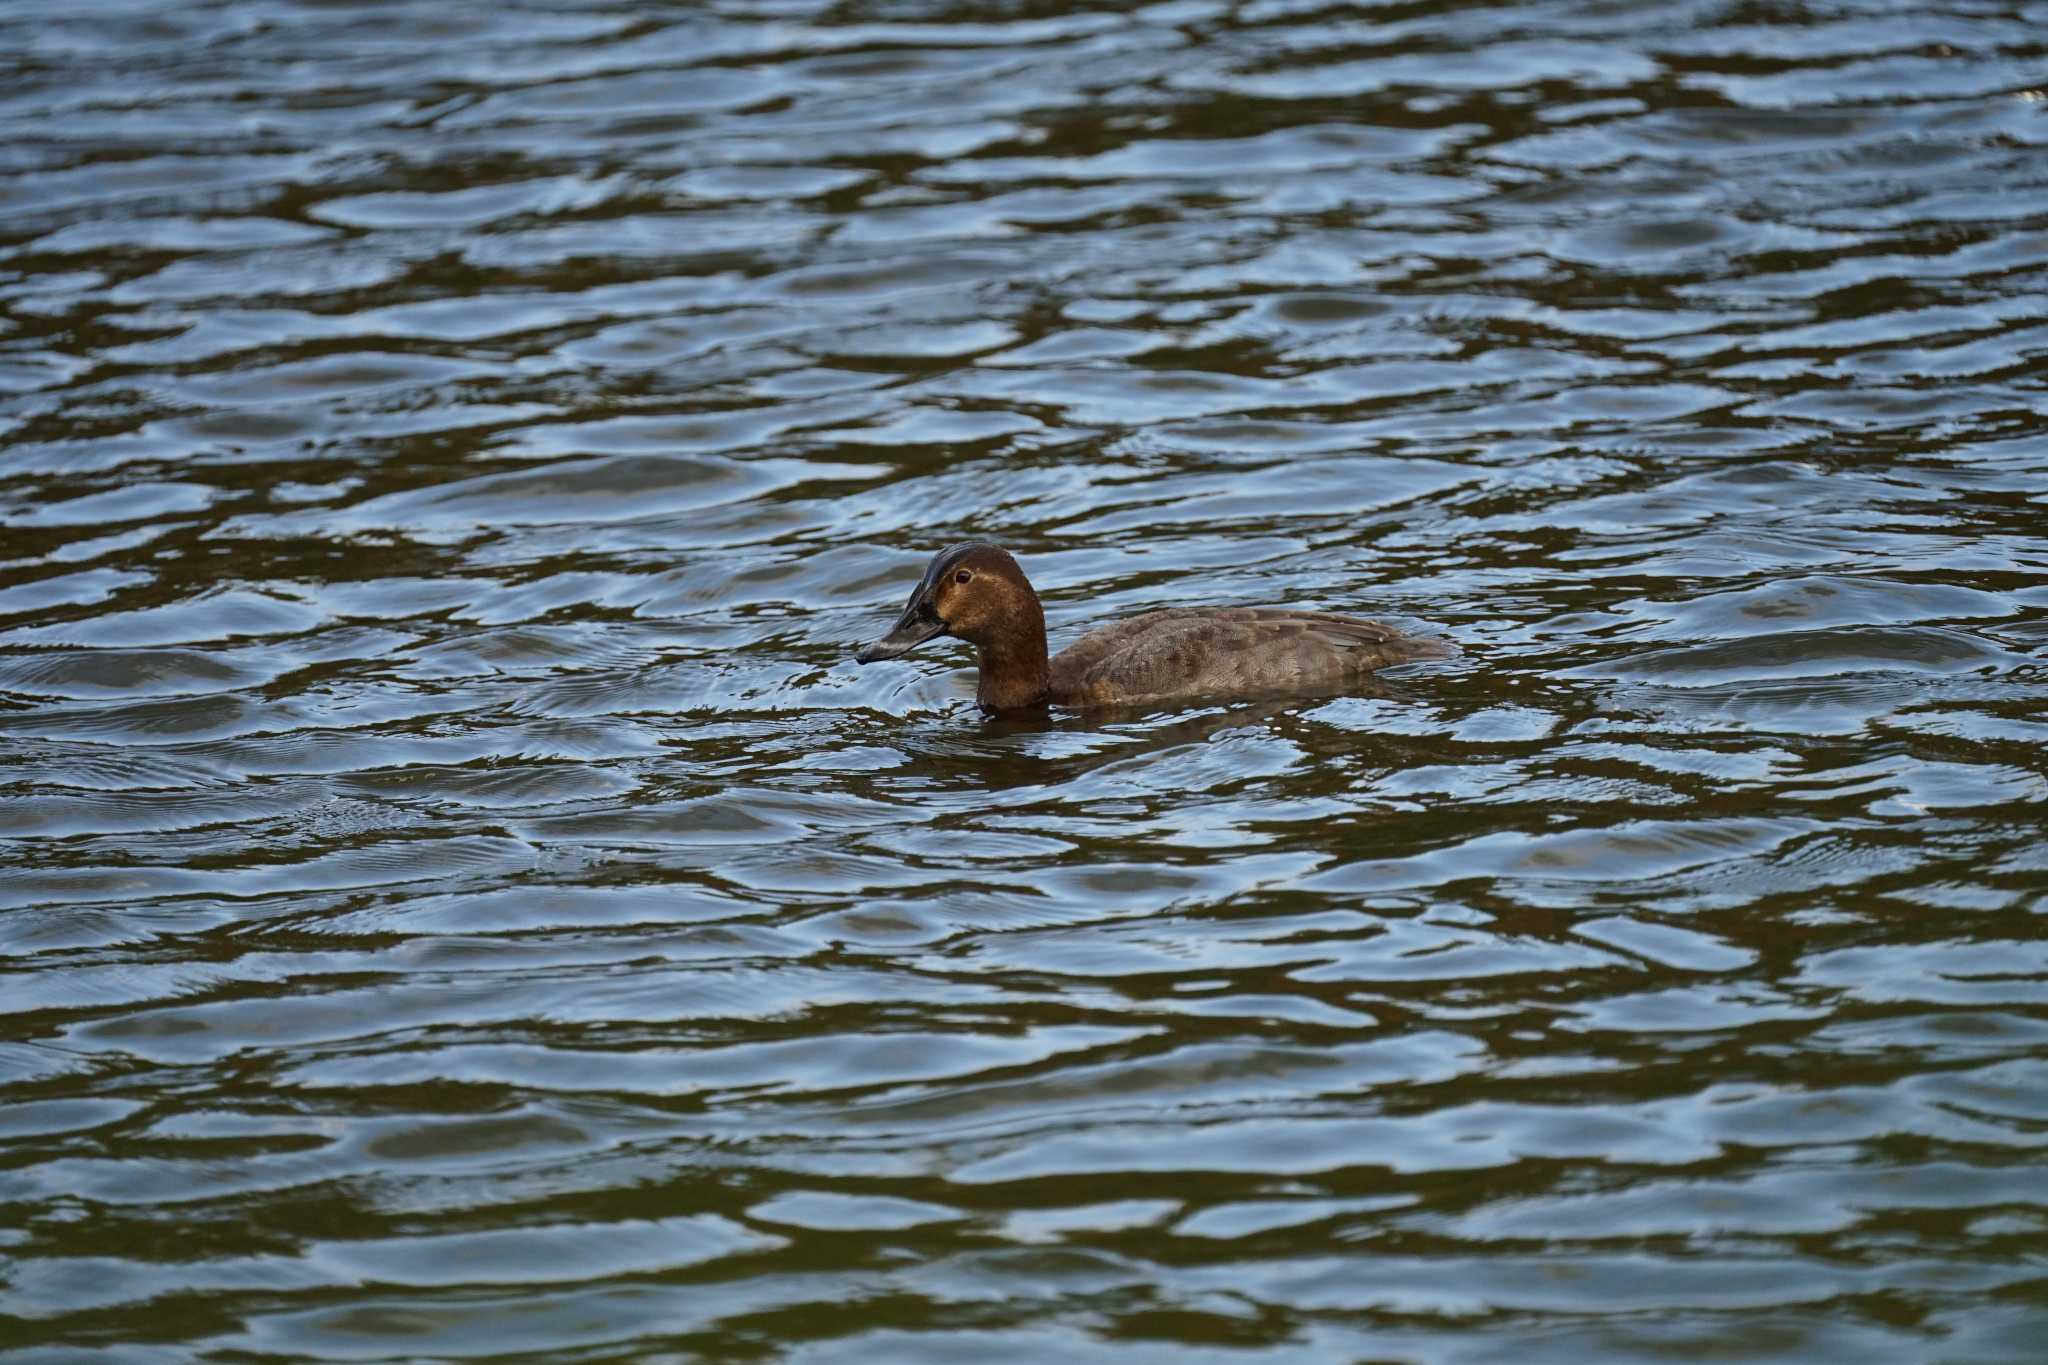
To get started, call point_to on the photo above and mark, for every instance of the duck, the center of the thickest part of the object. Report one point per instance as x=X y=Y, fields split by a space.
x=978 y=593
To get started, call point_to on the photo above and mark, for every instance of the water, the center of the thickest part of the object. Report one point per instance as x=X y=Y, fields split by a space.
x=459 y=899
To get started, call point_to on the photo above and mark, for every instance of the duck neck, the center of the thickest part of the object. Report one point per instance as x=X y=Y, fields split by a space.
x=1014 y=670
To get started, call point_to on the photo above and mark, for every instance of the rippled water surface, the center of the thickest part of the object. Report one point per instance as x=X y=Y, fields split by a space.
x=459 y=899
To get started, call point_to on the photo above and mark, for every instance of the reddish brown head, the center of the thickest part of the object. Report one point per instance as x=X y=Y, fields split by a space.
x=976 y=592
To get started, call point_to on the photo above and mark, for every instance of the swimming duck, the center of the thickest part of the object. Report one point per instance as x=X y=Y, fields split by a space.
x=977 y=593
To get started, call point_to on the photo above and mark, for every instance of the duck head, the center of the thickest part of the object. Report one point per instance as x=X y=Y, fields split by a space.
x=974 y=592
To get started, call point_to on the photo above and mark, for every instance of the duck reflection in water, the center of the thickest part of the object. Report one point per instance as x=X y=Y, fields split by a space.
x=976 y=592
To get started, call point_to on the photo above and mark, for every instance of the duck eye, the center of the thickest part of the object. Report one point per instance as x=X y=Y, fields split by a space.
x=962 y=576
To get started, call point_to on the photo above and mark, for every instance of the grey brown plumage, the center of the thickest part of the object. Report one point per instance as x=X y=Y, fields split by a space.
x=978 y=593
x=1189 y=652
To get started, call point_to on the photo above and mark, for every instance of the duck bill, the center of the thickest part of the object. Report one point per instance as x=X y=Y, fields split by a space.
x=917 y=624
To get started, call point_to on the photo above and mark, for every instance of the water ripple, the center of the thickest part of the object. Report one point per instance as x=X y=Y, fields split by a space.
x=461 y=899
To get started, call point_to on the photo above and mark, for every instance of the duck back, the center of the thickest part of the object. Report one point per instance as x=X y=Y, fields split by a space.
x=1189 y=652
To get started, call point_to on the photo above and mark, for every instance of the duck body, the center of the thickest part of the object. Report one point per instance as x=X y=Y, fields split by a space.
x=1184 y=653
x=978 y=593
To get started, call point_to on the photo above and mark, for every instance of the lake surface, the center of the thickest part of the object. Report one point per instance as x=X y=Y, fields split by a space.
x=459 y=900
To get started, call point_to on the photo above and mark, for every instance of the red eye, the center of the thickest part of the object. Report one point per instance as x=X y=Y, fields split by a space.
x=962 y=576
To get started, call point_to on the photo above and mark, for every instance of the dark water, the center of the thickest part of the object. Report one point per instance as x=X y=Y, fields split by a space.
x=459 y=900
